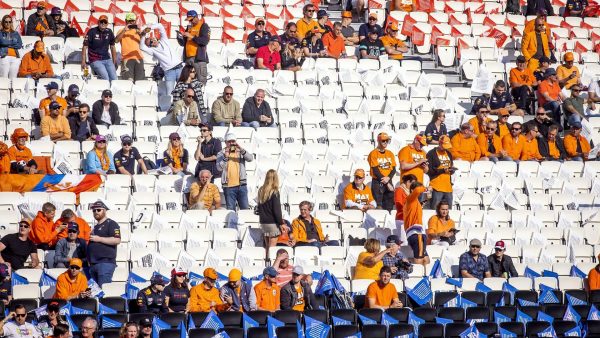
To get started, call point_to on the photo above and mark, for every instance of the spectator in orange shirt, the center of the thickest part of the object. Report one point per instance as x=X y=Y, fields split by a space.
x=568 y=74
x=358 y=195
x=21 y=158
x=130 y=37
x=266 y=295
x=440 y=227
x=383 y=168
x=503 y=126
x=370 y=261
x=464 y=144
x=440 y=171
x=577 y=146
x=382 y=294
x=67 y=216
x=531 y=150
x=481 y=118
x=36 y=64
x=413 y=223
x=513 y=142
x=334 y=43
x=412 y=158
x=72 y=283
x=4 y=159
x=55 y=125
x=549 y=94
x=490 y=144
x=205 y=297
x=522 y=80
x=394 y=47
x=307 y=230
x=43 y=231
x=594 y=277
x=401 y=194
x=52 y=90
x=531 y=47
x=552 y=147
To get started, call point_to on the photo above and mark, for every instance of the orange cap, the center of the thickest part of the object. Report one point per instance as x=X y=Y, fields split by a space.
x=103 y=17
x=39 y=46
x=210 y=273
x=422 y=139
x=259 y=20
x=347 y=14
x=373 y=15
x=235 y=275
x=445 y=142
x=76 y=262
x=42 y=4
x=383 y=137
x=393 y=26
x=359 y=173
x=569 y=56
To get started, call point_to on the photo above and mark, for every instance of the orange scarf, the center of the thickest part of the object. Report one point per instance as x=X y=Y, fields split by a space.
x=104 y=160
x=176 y=154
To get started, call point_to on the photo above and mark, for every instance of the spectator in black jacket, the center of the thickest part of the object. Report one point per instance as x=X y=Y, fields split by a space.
x=543 y=122
x=104 y=111
x=257 y=112
x=539 y=7
x=291 y=299
x=440 y=171
x=501 y=265
x=82 y=125
x=194 y=40
x=436 y=127
x=269 y=210
x=552 y=147
x=62 y=27
x=40 y=23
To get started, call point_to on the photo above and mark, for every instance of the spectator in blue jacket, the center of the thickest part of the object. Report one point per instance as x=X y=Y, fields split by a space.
x=64 y=252
x=10 y=43
x=240 y=300
x=99 y=160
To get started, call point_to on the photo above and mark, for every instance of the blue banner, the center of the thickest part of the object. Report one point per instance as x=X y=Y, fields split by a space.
x=108 y=323
x=212 y=321
x=506 y=287
x=191 y=324
x=17 y=279
x=576 y=272
x=454 y=302
x=415 y=321
x=272 y=325
x=339 y=321
x=548 y=332
x=544 y=317
x=443 y=321
x=47 y=280
x=366 y=320
x=525 y=302
x=157 y=326
x=500 y=318
x=574 y=300
x=388 y=320
x=548 y=273
x=574 y=332
x=79 y=311
x=572 y=315
x=421 y=293
x=436 y=270
x=103 y=309
x=530 y=273
x=482 y=288
x=504 y=333
x=182 y=331
x=547 y=295
x=315 y=328
x=248 y=322
x=465 y=303
x=594 y=314
x=327 y=283
x=131 y=291
x=522 y=317
x=135 y=278
x=71 y=324
x=458 y=282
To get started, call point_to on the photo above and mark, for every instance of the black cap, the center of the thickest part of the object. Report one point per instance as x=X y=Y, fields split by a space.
x=544 y=59
x=393 y=239
x=206 y=125
x=145 y=322
x=106 y=92
x=54 y=305
x=521 y=59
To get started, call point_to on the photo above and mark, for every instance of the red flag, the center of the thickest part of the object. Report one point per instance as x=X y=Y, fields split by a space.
x=157 y=9
x=595 y=37
x=418 y=37
x=454 y=32
x=77 y=27
x=509 y=23
x=515 y=32
x=565 y=24
x=119 y=21
x=274 y=12
x=424 y=6
x=495 y=11
x=226 y=38
x=579 y=48
x=375 y=4
x=433 y=21
x=271 y=29
x=182 y=10
x=407 y=25
x=20 y=27
x=555 y=36
x=208 y=11
x=462 y=44
x=586 y=25
x=435 y=33
x=453 y=21
x=167 y=26
x=469 y=18
x=558 y=3
x=229 y=26
x=137 y=10
x=499 y=36
x=391 y=20
x=480 y=10
x=114 y=9
x=246 y=13
x=4 y=5
x=70 y=7
x=488 y=22
x=442 y=41
x=92 y=21
x=448 y=9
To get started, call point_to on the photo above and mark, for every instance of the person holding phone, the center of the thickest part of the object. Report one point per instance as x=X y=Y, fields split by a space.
x=15 y=324
x=441 y=228
x=231 y=162
x=72 y=283
x=440 y=171
x=133 y=60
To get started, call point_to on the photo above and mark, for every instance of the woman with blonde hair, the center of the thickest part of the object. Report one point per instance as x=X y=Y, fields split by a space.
x=176 y=157
x=369 y=262
x=99 y=160
x=10 y=43
x=129 y=330
x=269 y=210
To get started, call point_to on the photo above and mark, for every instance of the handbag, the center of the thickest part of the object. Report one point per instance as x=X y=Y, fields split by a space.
x=157 y=73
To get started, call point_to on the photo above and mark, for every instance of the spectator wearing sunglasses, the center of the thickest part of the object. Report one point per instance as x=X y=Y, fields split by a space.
x=82 y=125
x=47 y=323
x=260 y=37
x=72 y=283
x=186 y=111
x=126 y=157
x=71 y=247
x=15 y=324
x=10 y=44
x=102 y=249
x=16 y=248
x=474 y=264
x=40 y=23
x=371 y=25
x=104 y=111
x=99 y=160
x=307 y=23
x=290 y=36
x=176 y=156
x=501 y=264
x=96 y=45
x=226 y=110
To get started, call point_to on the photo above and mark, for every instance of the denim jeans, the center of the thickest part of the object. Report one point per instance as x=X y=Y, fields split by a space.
x=102 y=273
x=105 y=69
x=236 y=195
x=166 y=86
x=437 y=197
x=319 y=244
x=256 y=124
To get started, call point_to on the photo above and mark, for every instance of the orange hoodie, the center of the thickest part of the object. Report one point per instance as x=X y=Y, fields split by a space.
x=84 y=229
x=43 y=231
x=465 y=148
x=594 y=279
x=66 y=288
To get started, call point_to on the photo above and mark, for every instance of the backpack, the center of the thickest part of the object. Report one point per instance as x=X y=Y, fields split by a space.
x=341 y=300
x=149 y=165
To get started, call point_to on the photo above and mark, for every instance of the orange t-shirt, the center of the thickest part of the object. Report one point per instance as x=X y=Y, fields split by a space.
x=384 y=161
x=522 y=77
x=361 y=271
x=383 y=295
x=201 y=298
x=335 y=46
x=393 y=42
x=413 y=210
x=482 y=141
x=45 y=105
x=130 y=45
x=553 y=150
x=563 y=72
x=410 y=155
x=513 y=146
x=357 y=195
x=267 y=297
x=594 y=279
x=435 y=225
x=530 y=150
x=553 y=90
x=442 y=182
x=400 y=196
x=17 y=155
x=464 y=148
x=41 y=65
x=65 y=287
x=570 y=143
x=299 y=306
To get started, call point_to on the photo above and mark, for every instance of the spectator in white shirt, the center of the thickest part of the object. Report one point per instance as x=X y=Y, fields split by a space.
x=18 y=327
